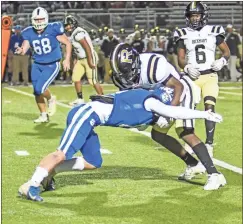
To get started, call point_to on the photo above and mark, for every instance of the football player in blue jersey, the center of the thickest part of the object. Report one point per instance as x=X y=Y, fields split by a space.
x=45 y=38
x=126 y=109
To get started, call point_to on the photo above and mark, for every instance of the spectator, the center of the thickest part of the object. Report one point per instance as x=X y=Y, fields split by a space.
x=20 y=63
x=233 y=41
x=137 y=43
x=107 y=46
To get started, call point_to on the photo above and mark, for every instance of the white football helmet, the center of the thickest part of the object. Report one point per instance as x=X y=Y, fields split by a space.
x=39 y=13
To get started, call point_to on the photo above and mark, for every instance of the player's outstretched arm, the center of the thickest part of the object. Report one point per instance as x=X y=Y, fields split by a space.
x=177 y=112
x=23 y=49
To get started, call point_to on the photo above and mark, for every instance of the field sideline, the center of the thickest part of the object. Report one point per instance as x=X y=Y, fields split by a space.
x=138 y=181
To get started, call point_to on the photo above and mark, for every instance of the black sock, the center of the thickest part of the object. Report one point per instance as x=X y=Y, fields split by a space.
x=210 y=126
x=80 y=95
x=174 y=146
x=189 y=159
x=202 y=153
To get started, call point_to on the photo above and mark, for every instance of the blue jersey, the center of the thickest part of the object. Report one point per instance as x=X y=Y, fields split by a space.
x=129 y=111
x=46 y=47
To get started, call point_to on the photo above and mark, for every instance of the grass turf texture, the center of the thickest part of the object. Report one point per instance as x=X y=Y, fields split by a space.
x=137 y=183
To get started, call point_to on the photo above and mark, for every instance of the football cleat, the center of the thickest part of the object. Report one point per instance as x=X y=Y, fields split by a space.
x=210 y=149
x=42 y=119
x=52 y=107
x=192 y=171
x=215 y=181
x=48 y=183
x=34 y=194
x=23 y=189
x=76 y=102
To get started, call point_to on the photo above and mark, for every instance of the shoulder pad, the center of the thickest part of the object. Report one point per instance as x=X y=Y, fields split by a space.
x=180 y=34
x=26 y=29
x=217 y=30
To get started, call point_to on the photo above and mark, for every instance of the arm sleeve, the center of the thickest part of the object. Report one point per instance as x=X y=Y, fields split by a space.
x=175 y=112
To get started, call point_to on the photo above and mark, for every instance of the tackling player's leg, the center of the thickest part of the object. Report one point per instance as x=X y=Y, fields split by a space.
x=80 y=124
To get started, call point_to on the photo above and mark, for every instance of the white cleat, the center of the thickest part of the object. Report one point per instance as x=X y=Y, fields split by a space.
x=76 y=102
x=42 y=119
x=192 y=171
x=189 y=149
x=23 y=189
x=215 y=181
x=210 y=149
x=52 y=106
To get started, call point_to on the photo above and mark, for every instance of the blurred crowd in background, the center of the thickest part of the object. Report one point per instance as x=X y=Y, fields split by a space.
x=157 y=40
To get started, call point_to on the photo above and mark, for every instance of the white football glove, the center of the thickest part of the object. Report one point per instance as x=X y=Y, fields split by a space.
x=192 y=72
x=219 y=64
x=217 y=118
x=162 y=122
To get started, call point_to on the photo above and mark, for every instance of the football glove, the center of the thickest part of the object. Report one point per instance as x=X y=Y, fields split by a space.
x=192 y=72
x=162 y=122
x=219 y=64
x=217 y=118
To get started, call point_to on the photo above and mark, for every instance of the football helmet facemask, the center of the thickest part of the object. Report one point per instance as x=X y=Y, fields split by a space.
x=72 y=21
x=196 y=8
x=39 y=18
x=125 y=63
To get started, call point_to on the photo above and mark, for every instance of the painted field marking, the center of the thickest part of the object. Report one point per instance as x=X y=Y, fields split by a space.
x=7 y=101
x=22 y=153
x=217 y=162
x=230 y=87
x=105 y=151
x=230 y=93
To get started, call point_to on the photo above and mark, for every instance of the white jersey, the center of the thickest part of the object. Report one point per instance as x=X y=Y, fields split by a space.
x=200 y=45
x=155 y=69
x=77 y=35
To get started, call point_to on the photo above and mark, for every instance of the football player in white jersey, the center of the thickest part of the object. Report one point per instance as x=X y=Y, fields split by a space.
x=149 y=70
x=87 y=58
x=196 y=46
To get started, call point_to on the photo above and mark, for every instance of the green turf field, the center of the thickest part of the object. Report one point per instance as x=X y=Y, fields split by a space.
x=138 y=181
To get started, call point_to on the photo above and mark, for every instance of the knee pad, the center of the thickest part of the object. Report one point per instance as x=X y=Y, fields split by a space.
x=210 y=100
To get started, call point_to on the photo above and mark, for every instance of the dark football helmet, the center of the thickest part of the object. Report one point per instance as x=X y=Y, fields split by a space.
x=196 y=8
x=125 y=63
x=72 y=21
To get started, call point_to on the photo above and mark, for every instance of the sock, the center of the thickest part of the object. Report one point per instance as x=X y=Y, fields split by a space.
x=202 y=153
x=189 y=159
x=210 y=126
x=39 y=174
x=70 y=165
x=50 y=98
x=174 y=146
x=44 y=114
x=80 y=95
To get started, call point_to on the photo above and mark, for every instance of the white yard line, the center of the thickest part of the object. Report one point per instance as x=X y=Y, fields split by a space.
x=22 y=153
x=230 y=87
x=217 y=162
x=230 y=93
